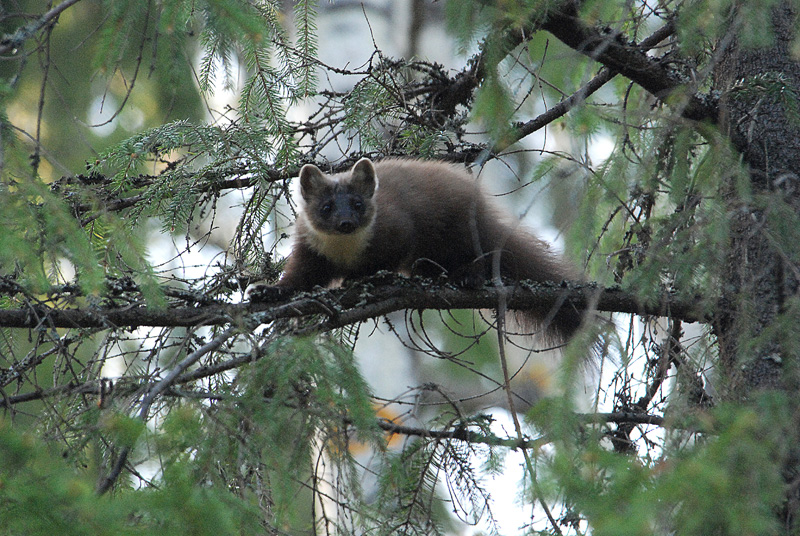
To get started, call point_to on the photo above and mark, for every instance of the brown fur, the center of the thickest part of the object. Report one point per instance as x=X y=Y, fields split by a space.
x=425 y=218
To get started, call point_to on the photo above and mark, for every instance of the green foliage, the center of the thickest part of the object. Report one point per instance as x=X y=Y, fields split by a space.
x=317 y=376
x=43 y=229
x=306 y=69
x=386 y=113
x=40 y=494
x=410 y=498
x=304 y=401
x=366 y=106
x=467 y=21
x=183 y=189
x=39 y=231
x=774 y=87
x=193 y=161
x=42 y=235
x=280 y=73
x=702 y=23
x=657 y=208
x=121 y=429
x=725 y=483
x=493 y=106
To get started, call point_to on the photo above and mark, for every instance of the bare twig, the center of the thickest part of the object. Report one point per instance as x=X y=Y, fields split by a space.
x=15 y=40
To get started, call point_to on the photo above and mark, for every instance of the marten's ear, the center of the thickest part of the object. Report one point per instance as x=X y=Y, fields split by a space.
x=311 y=180
x=363 y=179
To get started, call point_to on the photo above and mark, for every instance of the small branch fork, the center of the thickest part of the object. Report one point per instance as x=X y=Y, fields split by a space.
x=15 y=40
x=157 y=389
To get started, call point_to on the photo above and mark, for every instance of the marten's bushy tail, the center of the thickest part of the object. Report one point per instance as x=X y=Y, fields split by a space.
x=525 y=257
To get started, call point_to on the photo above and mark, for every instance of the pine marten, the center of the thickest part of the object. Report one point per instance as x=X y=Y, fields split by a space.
x=413 y=217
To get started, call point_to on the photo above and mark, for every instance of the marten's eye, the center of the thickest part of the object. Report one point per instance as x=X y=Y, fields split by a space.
x=357 y=204
x=326 y=208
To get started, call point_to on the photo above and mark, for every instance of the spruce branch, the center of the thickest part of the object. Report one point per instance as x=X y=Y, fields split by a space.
x=462 y=433
x=599 y=80
x=359 y=301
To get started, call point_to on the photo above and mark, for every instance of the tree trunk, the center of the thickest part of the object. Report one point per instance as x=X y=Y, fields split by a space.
x=757 y=86
x=758 y=312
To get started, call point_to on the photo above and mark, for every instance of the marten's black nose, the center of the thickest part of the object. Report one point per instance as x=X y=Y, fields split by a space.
x=346 y=226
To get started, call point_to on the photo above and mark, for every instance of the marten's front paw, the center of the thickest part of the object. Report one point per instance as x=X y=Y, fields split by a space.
x=470 y=276
x=261 y=292
x=470 y=281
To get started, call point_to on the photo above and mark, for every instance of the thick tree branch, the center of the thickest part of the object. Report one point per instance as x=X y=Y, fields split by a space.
x=357 y=302
x=604 y=46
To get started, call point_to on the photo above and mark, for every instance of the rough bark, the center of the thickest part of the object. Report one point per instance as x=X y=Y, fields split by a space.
x=758 y=277
x=356 y=302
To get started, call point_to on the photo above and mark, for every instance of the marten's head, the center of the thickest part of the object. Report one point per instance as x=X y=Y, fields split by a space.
x=341 y=204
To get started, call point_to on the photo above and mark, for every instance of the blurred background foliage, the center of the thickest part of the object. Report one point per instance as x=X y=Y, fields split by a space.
x=105 y=71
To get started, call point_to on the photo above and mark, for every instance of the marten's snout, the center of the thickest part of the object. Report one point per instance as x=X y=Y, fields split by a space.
x=343 y=212
x=346 y=226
